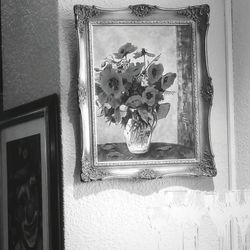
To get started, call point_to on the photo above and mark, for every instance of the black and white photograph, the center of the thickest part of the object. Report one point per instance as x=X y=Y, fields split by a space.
x=124 y=125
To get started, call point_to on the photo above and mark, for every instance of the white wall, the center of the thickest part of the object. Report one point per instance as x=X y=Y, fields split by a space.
x=40 y=57
x=30 y=50
x=241 y=54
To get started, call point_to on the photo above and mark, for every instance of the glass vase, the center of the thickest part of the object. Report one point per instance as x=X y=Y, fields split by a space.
x=138 y=138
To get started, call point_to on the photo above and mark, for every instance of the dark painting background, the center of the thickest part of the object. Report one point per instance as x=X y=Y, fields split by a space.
x=24 y=193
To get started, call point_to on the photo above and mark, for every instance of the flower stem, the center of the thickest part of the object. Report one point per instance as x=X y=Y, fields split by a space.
x=157 y=57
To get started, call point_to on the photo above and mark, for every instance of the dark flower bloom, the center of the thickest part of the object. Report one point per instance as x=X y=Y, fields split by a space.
x=125 y=50
x=143 y=52
x=111 y=82
x=155 y=72
x=148 y=96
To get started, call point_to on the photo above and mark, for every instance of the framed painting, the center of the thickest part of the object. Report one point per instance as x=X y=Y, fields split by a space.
x=1 y=66
x=31 y=205
x=145 y=93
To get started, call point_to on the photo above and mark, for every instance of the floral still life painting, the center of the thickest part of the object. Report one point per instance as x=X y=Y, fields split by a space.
x=137 y=86
x=144 y=92
x=130 y=94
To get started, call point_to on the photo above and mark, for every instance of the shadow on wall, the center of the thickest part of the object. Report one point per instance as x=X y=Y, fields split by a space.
x=140 y=187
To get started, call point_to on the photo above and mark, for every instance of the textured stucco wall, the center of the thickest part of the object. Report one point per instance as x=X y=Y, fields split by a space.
x=241 y=57
x=40 y=57
x=30 y=50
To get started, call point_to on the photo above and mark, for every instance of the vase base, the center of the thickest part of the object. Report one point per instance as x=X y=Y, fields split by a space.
x=137 y=150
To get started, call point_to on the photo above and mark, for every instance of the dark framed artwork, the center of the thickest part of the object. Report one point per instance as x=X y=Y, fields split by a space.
x=31 y=206
x=145 y=93
x=1 y=69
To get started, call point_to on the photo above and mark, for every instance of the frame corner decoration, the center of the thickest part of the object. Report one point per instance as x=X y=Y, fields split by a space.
x=83 y=13
x=103 y=157
x=207 y=165
x=199 y=14
x=90 y=173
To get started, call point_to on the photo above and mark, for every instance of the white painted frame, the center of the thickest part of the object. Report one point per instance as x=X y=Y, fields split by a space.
x=203 y=165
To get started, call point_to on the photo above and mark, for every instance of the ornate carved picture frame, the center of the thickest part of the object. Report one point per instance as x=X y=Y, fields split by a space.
x=145 y=93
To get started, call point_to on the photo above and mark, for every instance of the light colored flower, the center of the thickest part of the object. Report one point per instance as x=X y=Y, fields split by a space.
x=143 y=79
x=111 y=82
x=155 y=72
x=148 y=96
x=125 y=50
x=167 y=80
x=123 y=110
x=134 y=101
x=107 y=106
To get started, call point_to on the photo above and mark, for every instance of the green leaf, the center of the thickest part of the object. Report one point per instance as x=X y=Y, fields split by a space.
x=102 y=98
x=163 y=111
x=117 y=116
x=144 y=115
x=132 y=70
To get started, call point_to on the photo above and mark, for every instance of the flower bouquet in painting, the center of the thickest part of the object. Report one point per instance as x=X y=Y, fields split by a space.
x=130 y=89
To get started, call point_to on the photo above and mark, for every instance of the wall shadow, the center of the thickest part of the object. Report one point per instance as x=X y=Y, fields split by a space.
x=73 y=110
